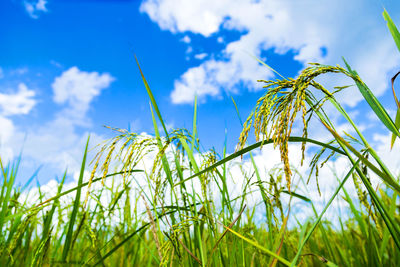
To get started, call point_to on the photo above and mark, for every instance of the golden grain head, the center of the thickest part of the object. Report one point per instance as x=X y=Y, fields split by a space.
x=275 y=112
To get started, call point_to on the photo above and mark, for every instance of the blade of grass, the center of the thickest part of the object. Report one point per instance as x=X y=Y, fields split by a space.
x=49 y=216
x=194 y=131
x=266 y=65
x=292 y=139
x=152 y=99
x=75 y=209
x=322 y=214
x=373 y=102
x=392 y=28
x=396 y=37
x=83 y=185
x=397 y=123
x=393 y=91
x=8 y=183
x=397 y=120
x=253 y=243
x=225 y=232
x=387 y=179
x=268 y=208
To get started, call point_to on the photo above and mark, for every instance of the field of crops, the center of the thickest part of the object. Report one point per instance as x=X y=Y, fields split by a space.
x=162 y=199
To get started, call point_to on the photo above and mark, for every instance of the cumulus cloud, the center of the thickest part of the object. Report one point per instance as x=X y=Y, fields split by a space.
x=58 y=142
x=57 y=145
x=187 y=16
x=34 y=8
x=183 y=93
x=20 y=102
x=316 y=32
x=78 y=88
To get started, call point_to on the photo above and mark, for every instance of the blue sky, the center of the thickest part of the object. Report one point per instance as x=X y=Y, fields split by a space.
x=67 y=67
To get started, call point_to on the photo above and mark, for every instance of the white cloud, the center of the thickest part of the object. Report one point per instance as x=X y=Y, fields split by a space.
x=305 y=27
x=186 y=39
x=200 y=56
x=186 y=16
x=388 y=156
x=78 y=88
x=34 y=8
x=56 y=144
x=59 y=142
x=20 y=102
x=183 y=92
x=7 y=130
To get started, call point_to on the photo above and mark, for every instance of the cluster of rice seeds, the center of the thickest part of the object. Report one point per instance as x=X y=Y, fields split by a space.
x=173 y=242
x=129 y=154
x=275 y=189
x=209 y=159
x=363 y=198
x=276 y=111
x=157 y=170
x=41 y=251
x=315 y=163
x=18 y=235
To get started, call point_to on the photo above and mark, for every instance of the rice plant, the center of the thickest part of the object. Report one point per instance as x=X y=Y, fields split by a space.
x=161 y=200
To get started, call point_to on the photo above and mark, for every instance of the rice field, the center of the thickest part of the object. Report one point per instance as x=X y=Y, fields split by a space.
x=161 y=199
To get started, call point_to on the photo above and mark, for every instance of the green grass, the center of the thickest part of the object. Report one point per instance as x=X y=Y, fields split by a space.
x=162 y=200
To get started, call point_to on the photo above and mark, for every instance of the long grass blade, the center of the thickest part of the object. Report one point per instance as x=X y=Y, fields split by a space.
x=68 y=238
x=292 y=139
x=251 y=242
x=373 y=102
x=322 y=214
x=392 y=28
x=397 y=123
x=152 y=99
x=380 y=174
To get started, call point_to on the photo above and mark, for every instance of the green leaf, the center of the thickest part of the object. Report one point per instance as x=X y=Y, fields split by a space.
x=152 y=99
x=373 y=102
x=396 y=37
x=292 y=139
x=82 y=185
x=255 y=244
x=49 y=216
x=384 y=176
x=392 y=28
x=297 y=195
x=126 y=239
x=68 y=238
x=397 y=123
x=304 y=241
